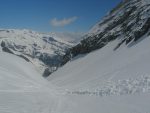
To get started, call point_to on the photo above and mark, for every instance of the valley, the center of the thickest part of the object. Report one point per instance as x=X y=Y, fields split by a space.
x=105 y=70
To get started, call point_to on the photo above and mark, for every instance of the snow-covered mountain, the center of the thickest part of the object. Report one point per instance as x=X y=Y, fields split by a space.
x=108 y=71
x=127 y=22
x=45 y=51
x=72 y=37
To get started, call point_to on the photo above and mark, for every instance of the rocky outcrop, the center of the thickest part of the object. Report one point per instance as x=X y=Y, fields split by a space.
x=127 y=22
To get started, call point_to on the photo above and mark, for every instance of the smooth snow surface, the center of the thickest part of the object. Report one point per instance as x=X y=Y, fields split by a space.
x=22 y=89
x=107 y=81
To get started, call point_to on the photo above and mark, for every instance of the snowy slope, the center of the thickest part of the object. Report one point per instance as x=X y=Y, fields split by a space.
x=22 y=89
x=43 y=50
x=75 y=88
x=107 y=81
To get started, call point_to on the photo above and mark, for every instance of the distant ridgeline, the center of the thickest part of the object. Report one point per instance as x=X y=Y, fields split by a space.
x=43 y=50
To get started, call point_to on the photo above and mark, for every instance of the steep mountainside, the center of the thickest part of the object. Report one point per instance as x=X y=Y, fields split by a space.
x=127 y=22
x=45 y=51
x=114 y=77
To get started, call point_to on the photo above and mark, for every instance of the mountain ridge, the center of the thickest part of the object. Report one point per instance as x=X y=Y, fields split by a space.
x=128 y=22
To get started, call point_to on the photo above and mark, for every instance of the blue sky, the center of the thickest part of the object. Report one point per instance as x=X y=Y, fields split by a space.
x=53 y=15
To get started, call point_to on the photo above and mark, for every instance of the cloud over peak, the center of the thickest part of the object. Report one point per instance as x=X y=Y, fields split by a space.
x=63 y=22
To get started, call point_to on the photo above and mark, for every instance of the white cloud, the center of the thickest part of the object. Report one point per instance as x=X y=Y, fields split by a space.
x=61 y=23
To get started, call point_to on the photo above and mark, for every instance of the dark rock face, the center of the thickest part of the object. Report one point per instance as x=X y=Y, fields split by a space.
x=3 y=44
x=47 y=72
x=145 y=28
x=6 y=49
x=127 y=22
x=25 y=58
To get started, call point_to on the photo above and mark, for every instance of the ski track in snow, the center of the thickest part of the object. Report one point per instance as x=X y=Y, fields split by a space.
x=122 y=87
